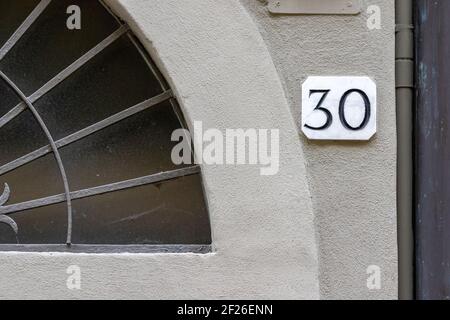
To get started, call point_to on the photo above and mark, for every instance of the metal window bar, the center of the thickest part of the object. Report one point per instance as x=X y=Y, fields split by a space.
x=94 y=249
x=23 y=28
x=108 y=188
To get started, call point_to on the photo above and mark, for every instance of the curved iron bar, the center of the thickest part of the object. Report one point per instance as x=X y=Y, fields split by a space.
x=4 y=218
x=54 y=148
x=5 y=195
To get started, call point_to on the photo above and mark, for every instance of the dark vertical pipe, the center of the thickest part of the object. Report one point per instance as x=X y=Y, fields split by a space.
x=405 y=99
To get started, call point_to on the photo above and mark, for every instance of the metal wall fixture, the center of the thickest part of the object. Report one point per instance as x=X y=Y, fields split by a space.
x=348 y=7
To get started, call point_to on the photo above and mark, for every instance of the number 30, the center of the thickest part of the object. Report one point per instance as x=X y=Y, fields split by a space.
x=342 y=102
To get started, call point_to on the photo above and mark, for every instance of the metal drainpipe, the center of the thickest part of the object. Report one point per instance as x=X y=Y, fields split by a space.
x=404 y=60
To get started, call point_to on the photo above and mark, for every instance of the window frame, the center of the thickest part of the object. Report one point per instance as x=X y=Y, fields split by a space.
x=172 y=174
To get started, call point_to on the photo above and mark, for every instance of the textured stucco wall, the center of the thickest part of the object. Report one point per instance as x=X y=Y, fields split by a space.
x=353 y=185
x=263 y=232
x=225 y=60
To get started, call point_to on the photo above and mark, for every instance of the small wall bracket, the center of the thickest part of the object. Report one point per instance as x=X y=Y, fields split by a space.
x=349 y=7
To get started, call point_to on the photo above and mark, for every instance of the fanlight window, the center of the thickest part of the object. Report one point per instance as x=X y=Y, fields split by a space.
x=85 y=138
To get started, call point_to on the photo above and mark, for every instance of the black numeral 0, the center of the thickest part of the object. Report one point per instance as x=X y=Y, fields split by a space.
x=366 y=111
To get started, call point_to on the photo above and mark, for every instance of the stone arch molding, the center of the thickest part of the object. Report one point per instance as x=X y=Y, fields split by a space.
x=263 y=226
x=215 y=59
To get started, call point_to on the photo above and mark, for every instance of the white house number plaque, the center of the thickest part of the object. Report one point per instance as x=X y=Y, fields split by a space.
x=339 y=108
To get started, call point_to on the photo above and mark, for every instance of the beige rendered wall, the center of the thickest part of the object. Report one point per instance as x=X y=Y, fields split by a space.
x=264 y=240
x=353 y=185
x=308 y=232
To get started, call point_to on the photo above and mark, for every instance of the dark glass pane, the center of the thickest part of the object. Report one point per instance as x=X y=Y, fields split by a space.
x=170 y=213
x=138 y=146
x=49 y=46
x=13 y=13
x=37 y=226
x=38 y=179
x=8 y=98
x=114 y=80
x=19 y=137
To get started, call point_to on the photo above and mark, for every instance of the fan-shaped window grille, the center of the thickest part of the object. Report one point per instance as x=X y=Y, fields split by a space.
x=85 y=138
